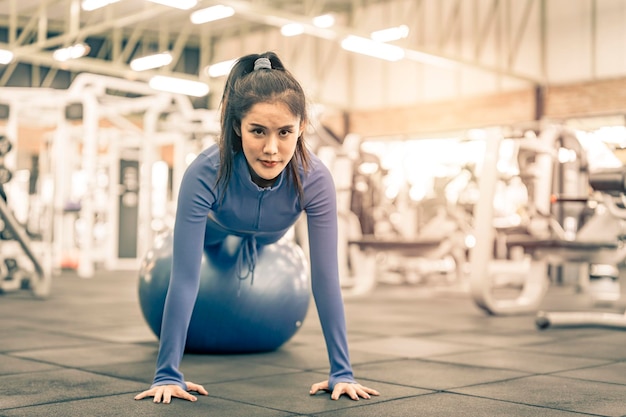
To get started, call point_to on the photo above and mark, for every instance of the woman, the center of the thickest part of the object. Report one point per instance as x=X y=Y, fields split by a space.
x=259 y=177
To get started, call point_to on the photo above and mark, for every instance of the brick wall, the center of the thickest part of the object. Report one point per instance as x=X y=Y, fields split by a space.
x=586 y=99
x=560 y=102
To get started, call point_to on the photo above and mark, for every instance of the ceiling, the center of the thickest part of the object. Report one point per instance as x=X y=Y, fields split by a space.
x=34 y=29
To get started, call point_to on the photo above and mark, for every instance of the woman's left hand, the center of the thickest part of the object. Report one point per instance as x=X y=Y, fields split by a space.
x=352 y=390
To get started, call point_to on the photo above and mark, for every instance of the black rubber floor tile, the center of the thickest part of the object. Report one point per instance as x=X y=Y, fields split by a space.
x=496 y=339
x=121 y=333
x=433 y=375
x=614 y=373
x=519 y=360
x=447 y=405
x=410 y=347
x=92 y=355
x=290 y=393
x=595 y=398
x=587 y=347
x=29 y=339
x=208 y=369
x=58 y=386
x=10 y=365
x=142 y=372
x=378 y=326
x=125 y=405
x=306 y=357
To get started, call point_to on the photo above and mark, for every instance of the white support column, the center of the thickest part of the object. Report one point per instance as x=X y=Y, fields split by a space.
x=147 y=159
x=481 y=254
x=60 y=168
x=86 y=267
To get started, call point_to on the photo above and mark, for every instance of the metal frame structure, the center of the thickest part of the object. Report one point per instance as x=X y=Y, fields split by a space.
x=488 y=35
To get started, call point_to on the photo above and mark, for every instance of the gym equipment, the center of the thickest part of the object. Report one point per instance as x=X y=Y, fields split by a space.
x=551 y=238
x=5 y=174
x=39 y=282
x=5 y=145
x=611 y=183
x=485 y=269
x=232 y=315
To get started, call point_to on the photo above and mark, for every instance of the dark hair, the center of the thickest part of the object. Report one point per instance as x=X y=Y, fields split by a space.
x=246 y=87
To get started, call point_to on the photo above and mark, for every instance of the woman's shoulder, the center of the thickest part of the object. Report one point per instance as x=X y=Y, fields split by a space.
x=318 y=176
x=209 y=158
x=316 y=167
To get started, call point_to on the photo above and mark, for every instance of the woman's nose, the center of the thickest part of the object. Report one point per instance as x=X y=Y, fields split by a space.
x=271 y=145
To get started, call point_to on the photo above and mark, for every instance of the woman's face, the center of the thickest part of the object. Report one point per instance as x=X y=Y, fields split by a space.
x=269 y=134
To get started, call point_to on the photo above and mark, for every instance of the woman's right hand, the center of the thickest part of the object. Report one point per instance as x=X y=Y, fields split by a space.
x=164 y=393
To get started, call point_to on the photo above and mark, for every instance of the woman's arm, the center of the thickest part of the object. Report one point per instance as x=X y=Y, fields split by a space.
x=321 y=209
x=194 y=202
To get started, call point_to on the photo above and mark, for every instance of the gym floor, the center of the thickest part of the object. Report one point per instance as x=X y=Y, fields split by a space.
x=86 y=351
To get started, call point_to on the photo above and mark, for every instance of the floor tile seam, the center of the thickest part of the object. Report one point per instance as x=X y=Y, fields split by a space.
x=526 y=350
x=77 y=333
x=377 y=401
x=69 y=400
x=556 y=375
x=61 y=367
x=580 y=368
x=291 y=412
x=404 y=385
x=569 y=355
x=498 y=381
x=525 y=404
x=356 y=364
x=465 y=365
x=399 y=384
x=247 y=378
x=13 y=352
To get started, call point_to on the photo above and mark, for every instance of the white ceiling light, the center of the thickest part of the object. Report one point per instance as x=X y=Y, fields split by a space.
x=179 y=4
x=372 y=48
x=220 y=69
x=324 y=21
x=89 y=5
x=5 y=56
x=71 y=52
x=179 y=86
x=390 y=34
x=211 y=13
x=151 y=61
x=292 y=29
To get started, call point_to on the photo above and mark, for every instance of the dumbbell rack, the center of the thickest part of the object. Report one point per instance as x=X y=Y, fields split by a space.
x=39 y=281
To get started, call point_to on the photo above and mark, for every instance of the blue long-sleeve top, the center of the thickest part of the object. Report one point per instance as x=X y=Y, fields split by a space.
x=270 y=212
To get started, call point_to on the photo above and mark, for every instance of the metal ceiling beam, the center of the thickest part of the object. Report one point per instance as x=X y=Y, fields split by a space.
x=278 y=18
x=99 y=28
x=257 y=12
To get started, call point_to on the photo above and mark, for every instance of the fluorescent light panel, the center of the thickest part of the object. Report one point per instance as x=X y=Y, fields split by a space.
x=211 y=14
x=179 y=86
x=372 y=48
x=151 y=61
x=324 y=21
x=292 y=29
x=390 y=34
x=5 y=56
x=71 y=52
x=220 y=69
x=89 y=5
x=179 y=4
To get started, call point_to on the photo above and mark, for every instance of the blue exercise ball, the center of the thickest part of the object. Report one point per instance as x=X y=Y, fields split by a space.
x=232 y=315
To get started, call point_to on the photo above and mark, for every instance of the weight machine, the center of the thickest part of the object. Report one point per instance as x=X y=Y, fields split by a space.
x=549 y=238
